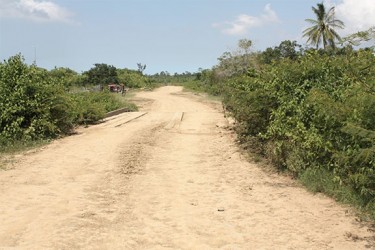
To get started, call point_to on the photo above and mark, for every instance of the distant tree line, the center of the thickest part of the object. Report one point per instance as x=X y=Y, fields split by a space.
x=164 y=77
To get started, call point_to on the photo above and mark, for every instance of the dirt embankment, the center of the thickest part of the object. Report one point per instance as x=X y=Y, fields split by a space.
x=168 y=177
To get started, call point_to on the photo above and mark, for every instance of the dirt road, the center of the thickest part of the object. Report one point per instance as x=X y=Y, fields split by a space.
x=168 y=177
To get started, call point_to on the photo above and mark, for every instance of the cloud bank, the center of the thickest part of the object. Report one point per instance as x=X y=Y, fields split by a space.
x=357 y=15
x=243 y=23
x=35 y=10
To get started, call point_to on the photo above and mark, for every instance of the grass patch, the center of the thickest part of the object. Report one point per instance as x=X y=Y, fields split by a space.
x=21 y=146
x=318 y=180
x=8 y=152
x=125 y=101
x=193 y=86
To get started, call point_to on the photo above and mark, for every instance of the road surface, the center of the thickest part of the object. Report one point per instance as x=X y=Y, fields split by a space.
x=167 y=177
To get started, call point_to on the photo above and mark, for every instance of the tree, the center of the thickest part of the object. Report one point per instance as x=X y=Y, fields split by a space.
x=68 y=76
x=323 y=29
x=102 y=74
x=141 y=67
x=289 y=49
x=237 y=62
x=360 y=37
x=286 y=49
x=132 y=78
x=245 y=45
x=33 y=104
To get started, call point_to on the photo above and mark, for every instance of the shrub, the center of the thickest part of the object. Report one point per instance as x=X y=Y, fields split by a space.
x=33 y=105
x=314 y=115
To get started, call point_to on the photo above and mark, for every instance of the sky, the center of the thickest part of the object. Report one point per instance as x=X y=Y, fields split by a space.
x=166 y=35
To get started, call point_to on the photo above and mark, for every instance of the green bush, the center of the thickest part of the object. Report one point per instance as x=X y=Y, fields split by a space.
x=314 y=112
x=90 y=107
x=133 y=79
x=35 y=104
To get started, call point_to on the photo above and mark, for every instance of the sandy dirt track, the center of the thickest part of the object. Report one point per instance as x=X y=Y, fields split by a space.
x=167 y=177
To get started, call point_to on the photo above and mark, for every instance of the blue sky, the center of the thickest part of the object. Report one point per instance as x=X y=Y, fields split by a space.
x=166 y=35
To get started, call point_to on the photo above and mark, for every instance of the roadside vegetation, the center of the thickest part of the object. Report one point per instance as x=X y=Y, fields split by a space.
x=309 y=111
x=39 y=105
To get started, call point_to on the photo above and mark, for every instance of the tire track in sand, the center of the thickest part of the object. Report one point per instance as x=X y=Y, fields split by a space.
x=171 y=179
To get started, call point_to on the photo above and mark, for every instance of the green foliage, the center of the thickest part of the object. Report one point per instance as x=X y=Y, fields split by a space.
x=286 y=49
x=65 y=75
x=314 y=116
x=194 y=86
x=165 y=78
x=133 y=78
x=203 y=81
x=360 y=37
x=323 y=181
x=237 y=62
x=35 y=104
x=141 y=67
x=102 y=74
x=90 y=107
x=323 y=28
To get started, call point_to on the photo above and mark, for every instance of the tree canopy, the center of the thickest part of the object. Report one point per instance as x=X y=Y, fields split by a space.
x=102 y=74
x=323 y=29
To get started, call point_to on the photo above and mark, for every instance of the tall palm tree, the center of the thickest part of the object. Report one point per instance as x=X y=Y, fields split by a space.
x=323 y=29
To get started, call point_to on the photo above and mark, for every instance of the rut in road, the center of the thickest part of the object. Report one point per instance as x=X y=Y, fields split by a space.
x=168 y=177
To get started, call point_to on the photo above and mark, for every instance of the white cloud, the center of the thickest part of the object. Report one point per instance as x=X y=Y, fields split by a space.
x=243 y=23
x=357 y=15
x=35 y=10
x=269 y=14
